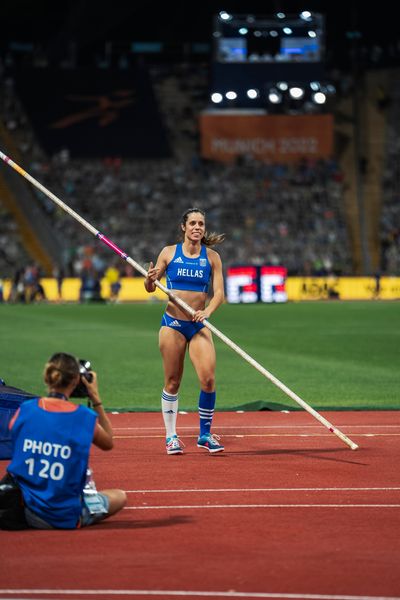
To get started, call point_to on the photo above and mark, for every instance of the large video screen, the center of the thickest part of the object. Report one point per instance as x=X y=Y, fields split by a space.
x=246 y=284
x=248 y=38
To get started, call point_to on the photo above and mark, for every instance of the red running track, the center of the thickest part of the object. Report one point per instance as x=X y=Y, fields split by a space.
x=287 y=511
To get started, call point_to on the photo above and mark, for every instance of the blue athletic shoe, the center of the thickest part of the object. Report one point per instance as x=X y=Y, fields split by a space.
x=210 y=442
x=174 y=445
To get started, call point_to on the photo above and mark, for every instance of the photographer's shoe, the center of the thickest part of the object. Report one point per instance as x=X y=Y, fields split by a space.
x=210 y=442
x=174 y=445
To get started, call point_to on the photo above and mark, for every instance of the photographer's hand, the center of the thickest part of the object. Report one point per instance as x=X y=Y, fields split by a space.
x=92 y=389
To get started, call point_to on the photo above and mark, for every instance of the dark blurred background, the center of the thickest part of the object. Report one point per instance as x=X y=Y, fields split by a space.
x=127 y=111
x=89 y=25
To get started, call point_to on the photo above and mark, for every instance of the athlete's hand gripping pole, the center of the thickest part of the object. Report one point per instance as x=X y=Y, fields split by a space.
x=182 y=304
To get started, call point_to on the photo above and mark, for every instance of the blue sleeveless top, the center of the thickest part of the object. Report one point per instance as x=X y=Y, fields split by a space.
x=191 y=274
x=50 y=457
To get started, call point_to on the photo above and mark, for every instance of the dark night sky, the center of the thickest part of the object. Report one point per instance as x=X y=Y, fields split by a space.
x=91 y=22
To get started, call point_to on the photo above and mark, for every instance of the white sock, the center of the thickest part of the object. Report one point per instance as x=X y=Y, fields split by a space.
x=169 y=406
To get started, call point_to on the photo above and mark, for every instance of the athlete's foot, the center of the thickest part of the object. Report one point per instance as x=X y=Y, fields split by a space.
x=174 y=445
x=210 y=442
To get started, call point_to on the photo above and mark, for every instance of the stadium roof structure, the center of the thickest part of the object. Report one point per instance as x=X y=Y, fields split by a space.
x=89 y=23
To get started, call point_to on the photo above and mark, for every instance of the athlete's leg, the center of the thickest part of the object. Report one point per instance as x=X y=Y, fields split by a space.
x=202 y=355
x=172 y=346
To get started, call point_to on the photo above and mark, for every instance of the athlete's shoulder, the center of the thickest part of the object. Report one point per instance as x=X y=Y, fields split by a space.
x=168 y=252
x=169 y=249
x=212 y=254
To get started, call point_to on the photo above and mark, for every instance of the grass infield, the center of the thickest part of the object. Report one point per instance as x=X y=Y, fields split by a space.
x=334 y=355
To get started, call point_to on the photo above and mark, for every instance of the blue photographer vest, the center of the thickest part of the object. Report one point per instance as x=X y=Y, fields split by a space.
x=191 y=274
x=50 y=457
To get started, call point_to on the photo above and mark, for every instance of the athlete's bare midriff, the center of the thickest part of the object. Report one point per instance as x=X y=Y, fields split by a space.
x=196 y=300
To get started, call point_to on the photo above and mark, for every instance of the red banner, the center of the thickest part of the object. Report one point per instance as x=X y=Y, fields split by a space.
x=278 y=138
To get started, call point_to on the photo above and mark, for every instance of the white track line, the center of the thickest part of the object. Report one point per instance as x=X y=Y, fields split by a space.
x=207 y=490
x=189 y=593
x=201 y=506
x=246 y=435
x=160 y=428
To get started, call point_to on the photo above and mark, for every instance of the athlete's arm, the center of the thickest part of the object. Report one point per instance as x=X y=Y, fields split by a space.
x=156 y=272
x=218 y=288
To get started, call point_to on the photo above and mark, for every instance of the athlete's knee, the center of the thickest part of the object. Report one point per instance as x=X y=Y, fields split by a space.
x=207 y=383
x=171 y=385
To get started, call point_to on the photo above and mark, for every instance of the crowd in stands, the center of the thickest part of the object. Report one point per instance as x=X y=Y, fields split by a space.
x=271 y=213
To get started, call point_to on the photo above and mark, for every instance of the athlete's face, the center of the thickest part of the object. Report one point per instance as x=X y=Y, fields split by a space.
x=195 y=226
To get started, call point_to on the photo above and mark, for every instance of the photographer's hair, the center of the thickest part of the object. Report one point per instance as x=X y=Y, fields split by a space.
x=209 y=239
x=60 y=370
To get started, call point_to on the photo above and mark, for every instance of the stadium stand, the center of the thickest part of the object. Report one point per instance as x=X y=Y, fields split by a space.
x=296 y=215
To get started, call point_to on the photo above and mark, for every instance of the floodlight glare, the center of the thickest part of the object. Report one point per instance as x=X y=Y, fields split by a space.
x=274 y=96
x=319 y=98
x=231 y=95
x=252 y=94
x=216 y=97
x=296 y=92
x=282 y=85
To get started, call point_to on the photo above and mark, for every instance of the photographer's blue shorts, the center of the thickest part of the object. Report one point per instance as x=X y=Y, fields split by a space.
x=86 y=519
x=186 y=328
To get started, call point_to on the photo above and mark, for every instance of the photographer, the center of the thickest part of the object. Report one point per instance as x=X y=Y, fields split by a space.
x=51 y=439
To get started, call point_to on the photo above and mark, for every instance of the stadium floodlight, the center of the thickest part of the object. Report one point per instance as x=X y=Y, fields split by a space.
x=282 y=85
x=216 y=97
x=305 y=15
x=296 y=92
x=319 y=97
x=274 y=96
x=252 y=94
x=177 y=300
x=224 y=16
x=231 y=95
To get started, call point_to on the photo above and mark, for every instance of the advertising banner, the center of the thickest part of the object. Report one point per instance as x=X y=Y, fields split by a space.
x=281 y=138
x=343 y=288
x=246 y=284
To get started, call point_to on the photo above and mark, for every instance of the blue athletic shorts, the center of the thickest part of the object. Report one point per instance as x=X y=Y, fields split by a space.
x=186 y=328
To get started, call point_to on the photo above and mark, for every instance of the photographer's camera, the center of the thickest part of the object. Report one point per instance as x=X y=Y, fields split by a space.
x=85 y=371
